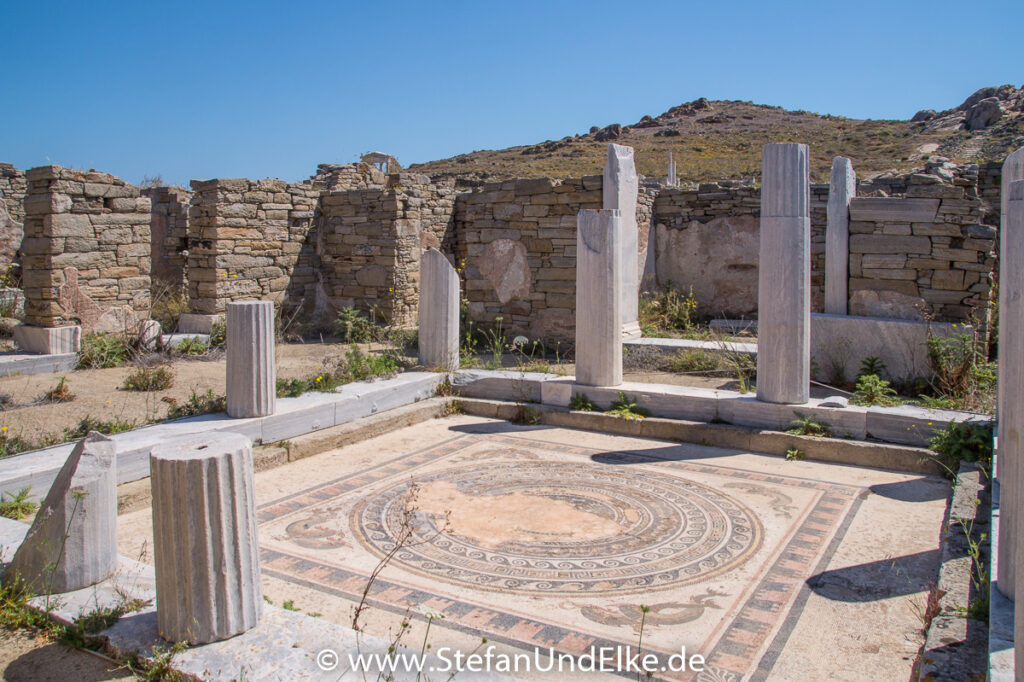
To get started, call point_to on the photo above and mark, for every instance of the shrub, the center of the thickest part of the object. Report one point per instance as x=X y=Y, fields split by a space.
x=359 y=366
x=218 y=334
x=668 y=309
x=872 y=390
x=291 y=388
x=805 y=425
x=960 y=366
x=58 y=394
x=963 y=442
x=149 y=379
x=625 y=407
x=198 y=403
x=18 y=505
x=795 y=455
x=582 y=403
x=106 y=427
x=871 y=365
x=169 y=303
x=192 y=345
x=352 y=327
x=100 y=351
x=695 y=360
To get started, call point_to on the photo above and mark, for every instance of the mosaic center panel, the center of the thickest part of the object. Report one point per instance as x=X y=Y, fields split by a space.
x=551 y=527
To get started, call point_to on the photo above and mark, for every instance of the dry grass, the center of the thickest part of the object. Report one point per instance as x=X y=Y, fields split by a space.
x=725 y=142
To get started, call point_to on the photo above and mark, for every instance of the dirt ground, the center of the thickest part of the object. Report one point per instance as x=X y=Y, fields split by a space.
x=98 y=392
x=26 y=658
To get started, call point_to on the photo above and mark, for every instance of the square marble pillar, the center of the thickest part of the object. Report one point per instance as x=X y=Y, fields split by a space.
x=784 y=276
x=620 y=189
x=1011 y=374
x=438 y=312
x=599 y=298
x=842 y=187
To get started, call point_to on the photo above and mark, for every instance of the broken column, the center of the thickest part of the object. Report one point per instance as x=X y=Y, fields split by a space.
x=1011 y=373
x=784 y=276
x=252 y=374
x=72 y=542
x=205 y=546
x=599 y=297
x=620 y=192
x=842 y=187
x=439 y=312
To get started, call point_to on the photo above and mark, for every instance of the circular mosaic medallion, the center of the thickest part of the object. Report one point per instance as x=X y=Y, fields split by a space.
x=558 y=528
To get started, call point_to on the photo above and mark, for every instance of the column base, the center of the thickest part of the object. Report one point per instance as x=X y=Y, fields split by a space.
x=631 y=330
x=194 y=323
x=48 y=340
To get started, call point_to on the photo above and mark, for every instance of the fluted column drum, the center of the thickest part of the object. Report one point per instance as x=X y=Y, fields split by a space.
x=204 y=538
x=252 y=374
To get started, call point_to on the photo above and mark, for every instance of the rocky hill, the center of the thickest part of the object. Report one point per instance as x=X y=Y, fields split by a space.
x=712 y=140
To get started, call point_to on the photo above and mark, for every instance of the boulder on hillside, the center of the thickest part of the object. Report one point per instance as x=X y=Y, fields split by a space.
x=1001 y=92
x=924 y=115
x=612 y=132
x=983 y=114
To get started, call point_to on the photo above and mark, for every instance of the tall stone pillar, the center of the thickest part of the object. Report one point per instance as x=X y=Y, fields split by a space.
x=842 y=187
x=1011 y=411
x=784 y=276
x=205 y=548
x=439 y=312
x=620 y=189
x=252 y=373
x=1008 y=469
x=599 y=298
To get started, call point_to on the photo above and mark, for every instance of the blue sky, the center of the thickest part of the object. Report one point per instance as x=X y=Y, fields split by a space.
x=269 y=89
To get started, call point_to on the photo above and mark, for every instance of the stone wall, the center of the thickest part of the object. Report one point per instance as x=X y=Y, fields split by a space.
x=707 y=238
x=169 y=235
x=517 y=243
x=927 y=250
x=13 y=188
x=87 y=250
x=336 y=177
x=370 y=243
x=250 y=239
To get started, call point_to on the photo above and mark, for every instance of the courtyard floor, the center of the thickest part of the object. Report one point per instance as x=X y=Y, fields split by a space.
x=538 y=537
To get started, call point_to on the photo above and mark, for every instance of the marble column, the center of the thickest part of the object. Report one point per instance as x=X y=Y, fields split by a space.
x=72 y=542
x=205 y=549
x=252 y=373
x=599 y=298
x=438 y=312
x=620 y=190
x=842 y=187
x=784 y=276
x=1011 y=411
x=1008 y=465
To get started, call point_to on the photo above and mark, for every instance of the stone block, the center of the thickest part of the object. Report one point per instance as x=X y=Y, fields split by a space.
x=48 y=340
x=205 y=546
x=893 y=209
x=874 y=243
x=843 y=341
x=72 y=542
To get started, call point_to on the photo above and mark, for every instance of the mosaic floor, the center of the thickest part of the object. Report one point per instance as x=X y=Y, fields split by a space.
x=555 y=538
